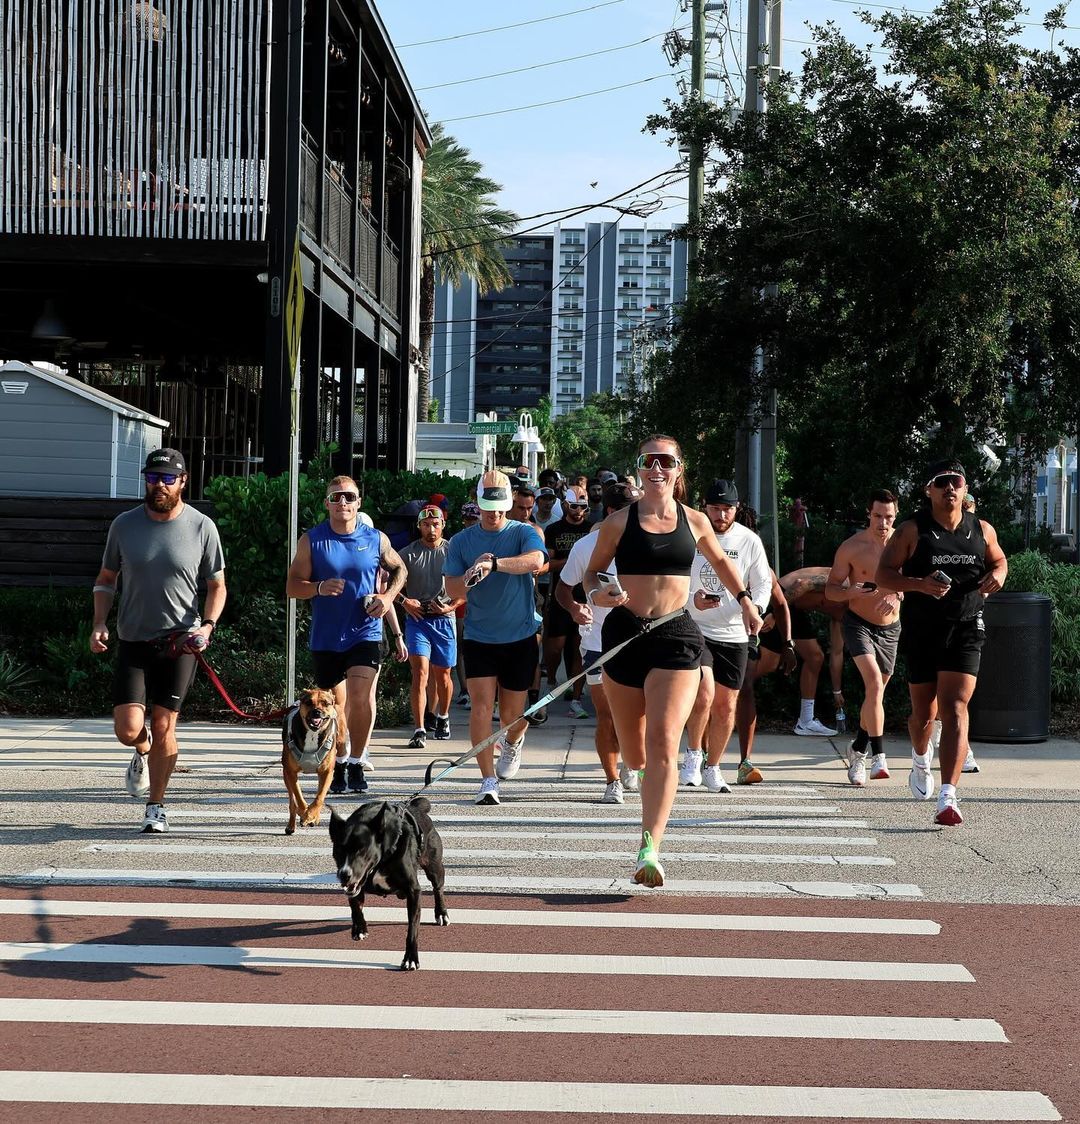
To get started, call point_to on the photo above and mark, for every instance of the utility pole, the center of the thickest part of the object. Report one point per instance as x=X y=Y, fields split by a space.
x=697 y=152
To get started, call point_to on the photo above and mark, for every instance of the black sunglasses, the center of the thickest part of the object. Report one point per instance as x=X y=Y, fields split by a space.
x=947 y=479
x=167 y=478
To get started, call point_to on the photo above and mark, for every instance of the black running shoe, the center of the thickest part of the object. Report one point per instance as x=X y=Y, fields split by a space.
x=442 y=729
x=357 y=780
x=338 y=785
x=539 y=718
x=429 y=722
x=418 y=740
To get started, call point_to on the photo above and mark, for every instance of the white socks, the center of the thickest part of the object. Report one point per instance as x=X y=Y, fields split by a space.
x=806 y=710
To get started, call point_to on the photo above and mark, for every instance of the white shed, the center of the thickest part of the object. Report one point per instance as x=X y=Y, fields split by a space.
x=60 y=437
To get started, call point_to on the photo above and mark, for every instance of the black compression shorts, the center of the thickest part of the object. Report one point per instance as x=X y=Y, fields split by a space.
x=933 y=646
x=146 y=675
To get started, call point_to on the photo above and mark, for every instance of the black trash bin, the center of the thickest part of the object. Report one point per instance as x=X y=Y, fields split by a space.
x=1012 y=697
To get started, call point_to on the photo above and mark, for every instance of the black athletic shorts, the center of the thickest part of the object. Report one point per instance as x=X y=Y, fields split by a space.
x=332 y=667
x=145 y=675
x=513 y=665
x=933 y=646
x=558 y=621
x=727 y=660
x=802 y=628
x=675 y=646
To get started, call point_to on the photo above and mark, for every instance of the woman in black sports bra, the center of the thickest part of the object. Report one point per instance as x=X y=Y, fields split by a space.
x=652 y=683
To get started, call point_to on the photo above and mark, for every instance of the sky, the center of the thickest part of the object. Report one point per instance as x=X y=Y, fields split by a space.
x=548 y=158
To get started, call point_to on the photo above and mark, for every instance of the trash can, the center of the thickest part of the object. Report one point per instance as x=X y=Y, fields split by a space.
x=1012 y=696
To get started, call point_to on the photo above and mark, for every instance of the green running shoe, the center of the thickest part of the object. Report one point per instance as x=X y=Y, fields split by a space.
x=649 y=872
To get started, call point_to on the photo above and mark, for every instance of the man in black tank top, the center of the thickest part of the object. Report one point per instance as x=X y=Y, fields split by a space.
x=946 y=562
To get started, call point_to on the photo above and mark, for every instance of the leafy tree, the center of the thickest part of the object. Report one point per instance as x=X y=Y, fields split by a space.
x=462 y=231
x=904 y=247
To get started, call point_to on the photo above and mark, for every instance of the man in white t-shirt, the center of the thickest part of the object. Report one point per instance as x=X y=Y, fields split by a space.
x=590 y=622
x=723 y=663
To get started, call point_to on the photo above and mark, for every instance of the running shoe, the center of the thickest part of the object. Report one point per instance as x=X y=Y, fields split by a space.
x=137 y=777
x=690 y=773
x=613 y=794
x=948 y=811
x=577 y=710
x=489 y=791
x=629 y=778
x=463 y=700
x=509 y=758
x=154 y=820
x=339 y=785
x=418 y=740
x=442 y=729
x=354 y=773
x=429 y=722
x=920 y=779
x=856 y=770
x=814 y=729
x=538 y=718
x=714 y=779
x=366 y=762
x=748 y=773
x=879 y=767
x=649 y=872
x=970 y=764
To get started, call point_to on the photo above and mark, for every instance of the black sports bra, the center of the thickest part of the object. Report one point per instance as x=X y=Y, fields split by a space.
x=642 y=552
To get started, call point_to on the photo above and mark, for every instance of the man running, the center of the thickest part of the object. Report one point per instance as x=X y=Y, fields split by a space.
x=945 y=562
x=871 y=627
x=163 y=549
x=492 y=564
x=723 y=663
x=429 y=625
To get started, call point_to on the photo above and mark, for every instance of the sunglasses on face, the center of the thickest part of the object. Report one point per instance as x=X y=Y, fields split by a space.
x=947 y=480
x=577 y=506
x=167 y=478
x=342 y=497
x=666 y=461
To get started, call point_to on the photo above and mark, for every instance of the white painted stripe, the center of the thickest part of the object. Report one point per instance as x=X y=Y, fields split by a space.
x=791 y=1102
x=162 y=851
x=217 y=956
x=512 y=799
x=461 y=883
x=883 y=1028
x=591 y=919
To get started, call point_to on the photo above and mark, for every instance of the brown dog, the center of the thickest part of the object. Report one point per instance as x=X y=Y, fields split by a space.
x=312 y=738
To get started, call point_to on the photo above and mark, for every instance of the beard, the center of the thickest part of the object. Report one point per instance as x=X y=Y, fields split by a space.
x=161 y=501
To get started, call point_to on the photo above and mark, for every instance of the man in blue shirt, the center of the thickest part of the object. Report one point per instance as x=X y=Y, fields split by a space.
x=492 y=565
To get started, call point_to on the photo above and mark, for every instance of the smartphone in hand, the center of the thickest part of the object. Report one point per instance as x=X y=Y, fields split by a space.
x=610 y=583
x=941 y=576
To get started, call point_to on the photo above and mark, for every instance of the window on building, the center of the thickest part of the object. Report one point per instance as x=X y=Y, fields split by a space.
x=658 y=261
x=571 y=238
x=571 y=260
x=631 y=261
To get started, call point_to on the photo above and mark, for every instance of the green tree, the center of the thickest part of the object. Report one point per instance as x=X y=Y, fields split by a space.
x=902 y=243
x=462 y=232
x=591 y=437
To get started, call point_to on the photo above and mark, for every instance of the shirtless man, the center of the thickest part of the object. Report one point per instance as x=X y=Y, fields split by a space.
x=871 y=627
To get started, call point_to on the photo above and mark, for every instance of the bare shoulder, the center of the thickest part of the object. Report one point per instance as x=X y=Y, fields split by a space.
x=698 y=520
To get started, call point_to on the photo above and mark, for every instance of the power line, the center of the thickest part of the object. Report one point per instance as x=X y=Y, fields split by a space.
x=558 y=101
x=509 y=26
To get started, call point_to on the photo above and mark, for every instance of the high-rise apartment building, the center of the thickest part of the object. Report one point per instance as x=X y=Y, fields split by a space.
x=585 y=303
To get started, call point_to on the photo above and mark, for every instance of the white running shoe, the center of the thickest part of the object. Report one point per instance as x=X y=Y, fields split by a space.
x=948 y=812
x=690 y=773
x=920 y=779
x=613 y=794
x=970 y=764
x=879 y=767
x=577 y=710
x=365 y=761
x=714 y=779
x=154 y=821
x=489 y=791
x=137 y=777
x=814 y=729
x=509 y=759
x=856 y=770
x=629 y=778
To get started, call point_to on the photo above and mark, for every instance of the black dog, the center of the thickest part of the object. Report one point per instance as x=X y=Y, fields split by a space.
x=381 y=849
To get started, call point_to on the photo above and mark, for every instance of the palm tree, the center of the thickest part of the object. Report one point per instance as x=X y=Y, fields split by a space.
x=462 y=232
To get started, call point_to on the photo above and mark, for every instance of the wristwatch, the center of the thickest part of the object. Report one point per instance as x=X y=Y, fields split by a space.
x=211 y=622
x=741 y=594
x=494 y=563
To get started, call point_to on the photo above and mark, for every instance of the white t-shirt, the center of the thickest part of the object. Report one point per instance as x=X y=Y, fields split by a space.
x=363 y=517
x=724 y=622
x=577 y=562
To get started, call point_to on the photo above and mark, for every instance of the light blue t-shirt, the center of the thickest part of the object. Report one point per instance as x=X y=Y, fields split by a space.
x=501 y=609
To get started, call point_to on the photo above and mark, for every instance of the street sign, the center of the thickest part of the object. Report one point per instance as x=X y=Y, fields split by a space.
x=493 y=427
x=294 y=306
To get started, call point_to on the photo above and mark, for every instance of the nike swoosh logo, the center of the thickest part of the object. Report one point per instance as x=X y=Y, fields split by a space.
x=935 y=534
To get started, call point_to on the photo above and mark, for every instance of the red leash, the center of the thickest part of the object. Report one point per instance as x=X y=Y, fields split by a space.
x=269 y=716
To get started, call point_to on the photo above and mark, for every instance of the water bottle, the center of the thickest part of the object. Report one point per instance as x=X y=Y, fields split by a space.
x=841 y=721
x=753 y=647
x=196 y=642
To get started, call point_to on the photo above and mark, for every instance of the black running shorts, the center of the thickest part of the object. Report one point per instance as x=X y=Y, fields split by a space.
x=675 y=645
x=558 y=622
x=933 y=646
x=727 y=660
x=332 y=667
x=146 y=676
x=513 y=665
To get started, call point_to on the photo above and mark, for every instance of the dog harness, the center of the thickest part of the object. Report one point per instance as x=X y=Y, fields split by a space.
x=317 y=743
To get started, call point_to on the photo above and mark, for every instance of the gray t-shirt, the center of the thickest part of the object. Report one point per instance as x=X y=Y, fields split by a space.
x=425 y=566
x=160 y=565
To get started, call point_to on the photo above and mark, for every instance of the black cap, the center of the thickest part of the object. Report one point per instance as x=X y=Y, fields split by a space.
x=606 y=477
x=619 y=495
x=939 y=468
x=165 y=460
x=722 y=491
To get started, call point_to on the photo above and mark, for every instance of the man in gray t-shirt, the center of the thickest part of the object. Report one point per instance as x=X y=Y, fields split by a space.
x=160 y=552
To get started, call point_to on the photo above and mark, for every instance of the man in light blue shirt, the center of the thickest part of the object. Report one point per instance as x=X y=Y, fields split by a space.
x=492 y=564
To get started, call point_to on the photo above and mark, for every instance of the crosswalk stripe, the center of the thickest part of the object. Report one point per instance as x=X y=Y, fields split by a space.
x=529 y=791
x=456 y=853
x=530 y=1097
x=220 y=956
x=883 y=1028
x=462 y=882
x=591 y=919
x=512 y=799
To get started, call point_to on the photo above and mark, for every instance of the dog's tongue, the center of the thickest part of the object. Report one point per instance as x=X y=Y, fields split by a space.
x=315 y=721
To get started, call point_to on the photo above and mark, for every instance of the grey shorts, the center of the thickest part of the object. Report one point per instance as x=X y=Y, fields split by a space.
x=861 y=638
